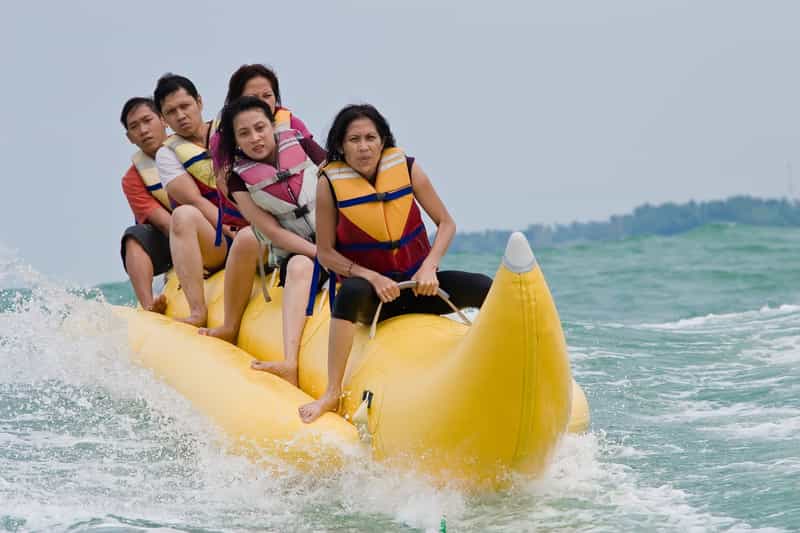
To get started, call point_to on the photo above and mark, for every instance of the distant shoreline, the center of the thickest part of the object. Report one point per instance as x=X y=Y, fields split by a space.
x=664 y=219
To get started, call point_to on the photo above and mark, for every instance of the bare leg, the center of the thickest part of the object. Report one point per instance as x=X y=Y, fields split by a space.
x=140 y=271
x=240 y=270
x=339 y=345
x=295 y=297
x=191 y=242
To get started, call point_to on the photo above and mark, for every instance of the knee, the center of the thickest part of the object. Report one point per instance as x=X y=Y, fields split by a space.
x=354 y=289
x=483 y=282
x=136 y=255
x=245 y=242
x=354 y=301
x=479 y=285
x=299 y=267
x=184 y=219
x=133 y=248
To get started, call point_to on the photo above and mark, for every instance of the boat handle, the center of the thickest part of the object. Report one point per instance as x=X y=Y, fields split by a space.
x=403 y=285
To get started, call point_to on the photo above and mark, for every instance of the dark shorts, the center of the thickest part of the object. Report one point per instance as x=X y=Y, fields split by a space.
x=356 y=300
x=155 y=244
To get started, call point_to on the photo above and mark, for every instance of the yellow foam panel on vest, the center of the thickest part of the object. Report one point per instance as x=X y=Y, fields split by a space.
x=462 y=404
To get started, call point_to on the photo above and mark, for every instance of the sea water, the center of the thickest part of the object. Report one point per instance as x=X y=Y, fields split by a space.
x=688 y=348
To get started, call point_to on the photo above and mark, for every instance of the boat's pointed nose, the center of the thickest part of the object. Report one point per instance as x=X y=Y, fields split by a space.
x=519 y=257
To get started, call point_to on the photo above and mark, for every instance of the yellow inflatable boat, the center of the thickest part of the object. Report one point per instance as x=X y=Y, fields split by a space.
x=461 y=403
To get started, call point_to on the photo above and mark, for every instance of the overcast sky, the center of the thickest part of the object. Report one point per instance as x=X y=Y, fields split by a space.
x=520 y=112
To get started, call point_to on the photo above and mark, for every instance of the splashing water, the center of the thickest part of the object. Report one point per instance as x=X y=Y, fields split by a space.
x=696 y=418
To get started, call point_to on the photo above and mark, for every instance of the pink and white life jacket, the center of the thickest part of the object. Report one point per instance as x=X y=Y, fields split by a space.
x=287 y=190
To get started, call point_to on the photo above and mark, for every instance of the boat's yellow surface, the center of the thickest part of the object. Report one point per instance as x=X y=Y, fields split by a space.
x=460 y=403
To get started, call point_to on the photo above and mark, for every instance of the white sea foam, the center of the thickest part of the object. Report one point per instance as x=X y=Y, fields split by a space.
x=782 y=429
x=586 y=472
x=102 y=443
x=726 y=319
x=693 y=411
x=782 y=350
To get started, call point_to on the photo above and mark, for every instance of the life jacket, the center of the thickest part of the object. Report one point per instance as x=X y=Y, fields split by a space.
x=283 y=119
x=287 y=190
x=146 y=166
x=379 y=226
x=197 y=162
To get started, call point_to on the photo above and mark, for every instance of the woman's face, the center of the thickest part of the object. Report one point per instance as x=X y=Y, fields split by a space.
x=362 y=146
x=261 y=88
x=254 y=134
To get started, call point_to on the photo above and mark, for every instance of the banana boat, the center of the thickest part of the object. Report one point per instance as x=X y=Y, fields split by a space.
x=464 y=403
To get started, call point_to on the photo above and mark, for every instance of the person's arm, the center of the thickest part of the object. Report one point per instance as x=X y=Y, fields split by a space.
x=184 y=190
x=315 y=152
x=426 y=195
x=145 y=208
x=298 y=125
x=269 y=226
x=386 y=288
x=180 y=186
x=160 y=218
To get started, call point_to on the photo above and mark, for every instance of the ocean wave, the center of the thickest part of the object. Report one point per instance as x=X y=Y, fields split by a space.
x=89 y=440
x=788 y=428
x=712 y=319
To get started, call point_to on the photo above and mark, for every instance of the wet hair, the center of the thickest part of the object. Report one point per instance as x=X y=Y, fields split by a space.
x=132 y=104
x=226 y=150
x=244 y=74
x=168 y=84
x=342 y=121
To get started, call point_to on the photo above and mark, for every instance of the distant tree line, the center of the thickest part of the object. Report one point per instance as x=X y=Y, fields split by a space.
x=665 y=219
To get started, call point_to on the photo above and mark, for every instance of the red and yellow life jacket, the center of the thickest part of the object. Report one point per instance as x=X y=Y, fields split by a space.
x=283 y=119
x=380 y=226
x=146 y=166
x=197 y=162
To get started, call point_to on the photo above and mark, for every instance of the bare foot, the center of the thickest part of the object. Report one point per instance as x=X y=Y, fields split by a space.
x=311 y=411
x=197 y=320
x=282 y=369
x=222 y=332
x=159 y=305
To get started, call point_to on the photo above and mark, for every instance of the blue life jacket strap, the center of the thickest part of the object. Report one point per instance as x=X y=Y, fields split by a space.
x=314 y=287
x=377 y=197
x=383 y=245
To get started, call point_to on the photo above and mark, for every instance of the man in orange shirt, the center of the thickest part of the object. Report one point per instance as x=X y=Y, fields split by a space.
x=145 y=245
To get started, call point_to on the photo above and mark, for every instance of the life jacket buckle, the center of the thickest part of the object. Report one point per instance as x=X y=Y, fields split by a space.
x=301 y=211
x=282 y=175
x=380 y=196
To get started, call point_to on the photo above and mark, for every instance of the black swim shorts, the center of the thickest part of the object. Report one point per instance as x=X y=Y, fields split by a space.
x=155 y=243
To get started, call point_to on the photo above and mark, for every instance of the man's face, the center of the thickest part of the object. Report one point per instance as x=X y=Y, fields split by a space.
x=183 y=113
x=146 y=129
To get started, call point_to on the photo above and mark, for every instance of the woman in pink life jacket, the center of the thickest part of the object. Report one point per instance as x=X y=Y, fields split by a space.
x=273 y=182
x=262 y=82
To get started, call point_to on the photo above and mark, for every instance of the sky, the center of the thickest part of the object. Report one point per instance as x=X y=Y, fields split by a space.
x=520 y=112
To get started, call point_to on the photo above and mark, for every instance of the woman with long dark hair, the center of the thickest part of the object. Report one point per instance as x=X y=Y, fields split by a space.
x=262 y=82
x=370 y=233
x=273 y=182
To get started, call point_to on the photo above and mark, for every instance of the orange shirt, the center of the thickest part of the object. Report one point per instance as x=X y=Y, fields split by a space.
x=141 y=201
